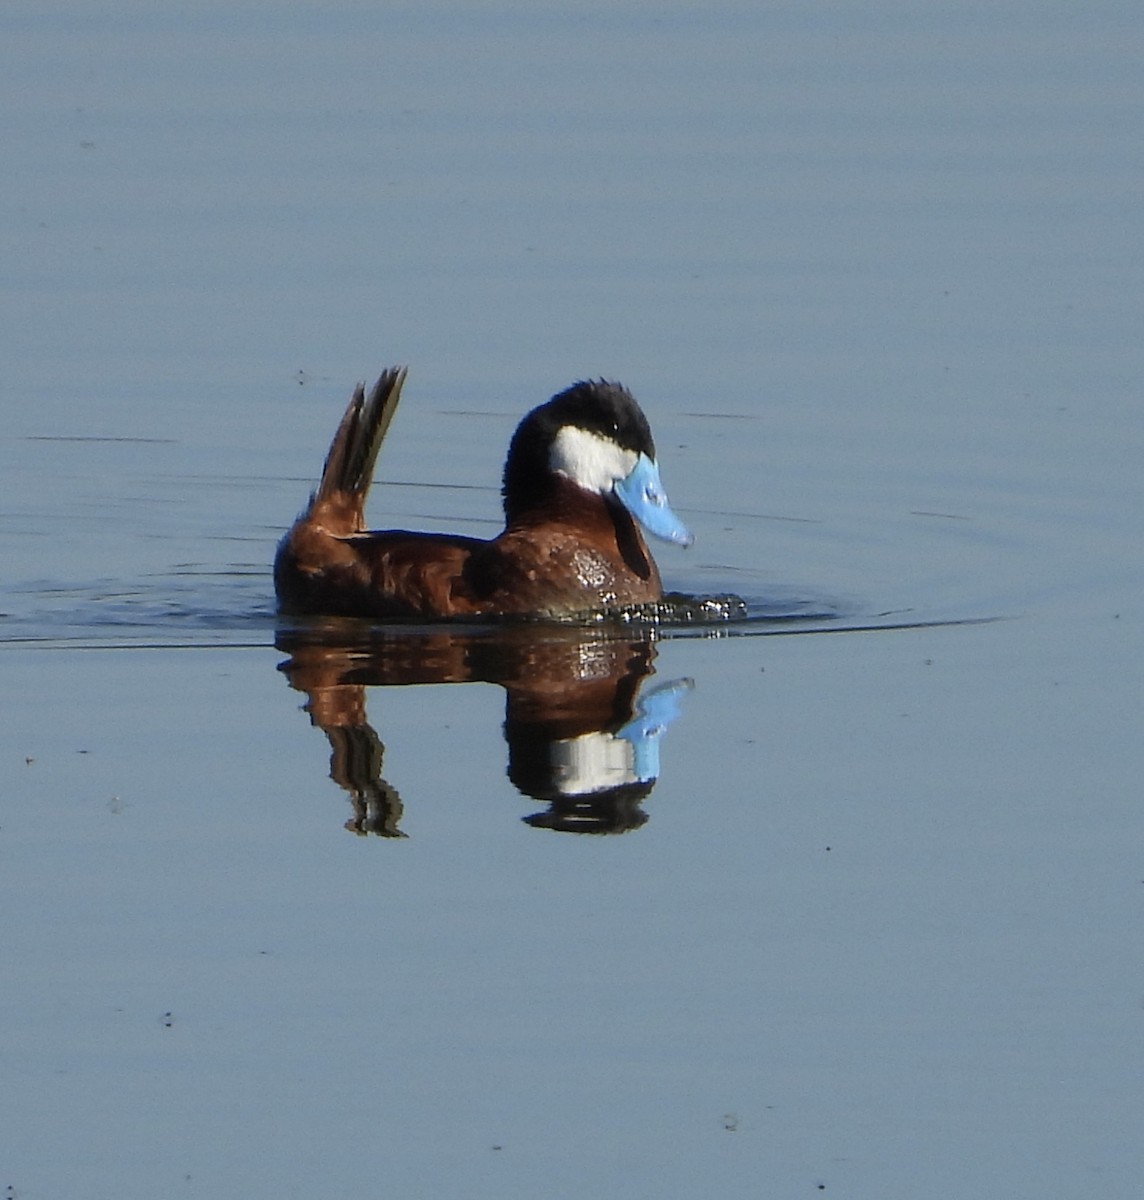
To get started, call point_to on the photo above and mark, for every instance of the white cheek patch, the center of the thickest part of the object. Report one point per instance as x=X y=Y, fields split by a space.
x=590 y=460
x=594 y=762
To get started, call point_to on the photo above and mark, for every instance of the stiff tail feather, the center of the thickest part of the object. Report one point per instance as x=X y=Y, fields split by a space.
x=337 y=504
x=315 y=564
x=348 y=469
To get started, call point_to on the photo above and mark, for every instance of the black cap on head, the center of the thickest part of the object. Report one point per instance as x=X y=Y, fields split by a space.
x=595 y=405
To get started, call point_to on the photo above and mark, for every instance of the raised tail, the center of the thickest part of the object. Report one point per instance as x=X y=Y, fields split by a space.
x=315 y=551
x=339 y=501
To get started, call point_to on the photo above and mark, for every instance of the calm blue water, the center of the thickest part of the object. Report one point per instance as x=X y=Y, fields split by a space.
x=873 y=927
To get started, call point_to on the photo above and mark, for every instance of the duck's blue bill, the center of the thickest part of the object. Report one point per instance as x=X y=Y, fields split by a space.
x=643 y=496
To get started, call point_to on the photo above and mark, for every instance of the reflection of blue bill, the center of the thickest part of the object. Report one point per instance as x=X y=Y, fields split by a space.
x=655 y=710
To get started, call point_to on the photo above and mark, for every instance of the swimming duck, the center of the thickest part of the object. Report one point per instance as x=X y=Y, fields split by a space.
x=581 y=472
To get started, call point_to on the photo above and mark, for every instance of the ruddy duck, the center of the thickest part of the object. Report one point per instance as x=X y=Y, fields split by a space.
x=579 y=469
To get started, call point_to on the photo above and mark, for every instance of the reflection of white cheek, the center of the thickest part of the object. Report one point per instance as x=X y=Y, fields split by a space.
x=592 y=763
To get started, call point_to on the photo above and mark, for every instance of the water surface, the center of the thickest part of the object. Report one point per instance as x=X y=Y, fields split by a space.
x=857 y=914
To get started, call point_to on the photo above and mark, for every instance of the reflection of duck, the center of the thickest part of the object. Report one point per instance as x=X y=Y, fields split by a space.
x=579 y=469
x=580 y=734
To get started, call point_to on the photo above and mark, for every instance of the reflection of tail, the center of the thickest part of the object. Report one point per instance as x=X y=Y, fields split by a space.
x=339 y=502
x=356 y=764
